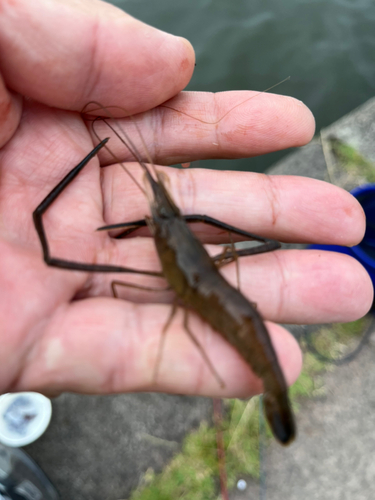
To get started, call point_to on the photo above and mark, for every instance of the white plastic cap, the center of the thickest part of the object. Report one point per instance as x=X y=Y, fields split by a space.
x=24 y=416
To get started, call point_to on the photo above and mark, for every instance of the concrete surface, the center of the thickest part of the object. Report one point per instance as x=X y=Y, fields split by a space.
x=97 y=448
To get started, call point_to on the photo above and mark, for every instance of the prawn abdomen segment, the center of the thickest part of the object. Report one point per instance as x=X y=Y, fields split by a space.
x=242 y=326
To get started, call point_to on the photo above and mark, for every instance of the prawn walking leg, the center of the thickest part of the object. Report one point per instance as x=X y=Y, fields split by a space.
x=162 y=339
x=201 y=350
x=116 y=283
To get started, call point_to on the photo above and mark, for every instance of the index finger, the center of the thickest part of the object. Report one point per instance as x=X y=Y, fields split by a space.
x=201 y=125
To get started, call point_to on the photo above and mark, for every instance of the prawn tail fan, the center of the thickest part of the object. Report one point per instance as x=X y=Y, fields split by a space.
x=280 y=417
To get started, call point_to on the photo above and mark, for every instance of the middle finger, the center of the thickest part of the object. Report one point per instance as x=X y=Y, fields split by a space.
x=286 y=208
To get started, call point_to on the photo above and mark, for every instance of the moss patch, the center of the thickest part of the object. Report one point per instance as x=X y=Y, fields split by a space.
x=352 y=161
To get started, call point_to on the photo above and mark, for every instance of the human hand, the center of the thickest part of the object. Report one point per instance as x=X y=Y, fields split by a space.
x=61 y=330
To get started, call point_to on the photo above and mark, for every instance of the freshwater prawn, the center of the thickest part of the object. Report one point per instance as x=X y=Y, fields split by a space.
x=195 y=278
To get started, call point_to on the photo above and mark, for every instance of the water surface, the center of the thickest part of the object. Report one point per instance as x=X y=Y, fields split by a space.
x=327 y=47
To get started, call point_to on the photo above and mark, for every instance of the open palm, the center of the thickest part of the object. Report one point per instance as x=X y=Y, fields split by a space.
x=62 y=330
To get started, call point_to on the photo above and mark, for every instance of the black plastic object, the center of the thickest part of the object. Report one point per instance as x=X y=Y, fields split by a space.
x=21 y=478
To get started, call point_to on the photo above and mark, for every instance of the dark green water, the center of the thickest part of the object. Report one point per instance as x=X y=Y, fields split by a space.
x=327 y=47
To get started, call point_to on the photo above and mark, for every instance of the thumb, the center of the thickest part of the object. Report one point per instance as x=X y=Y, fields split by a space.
x=64 y=53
